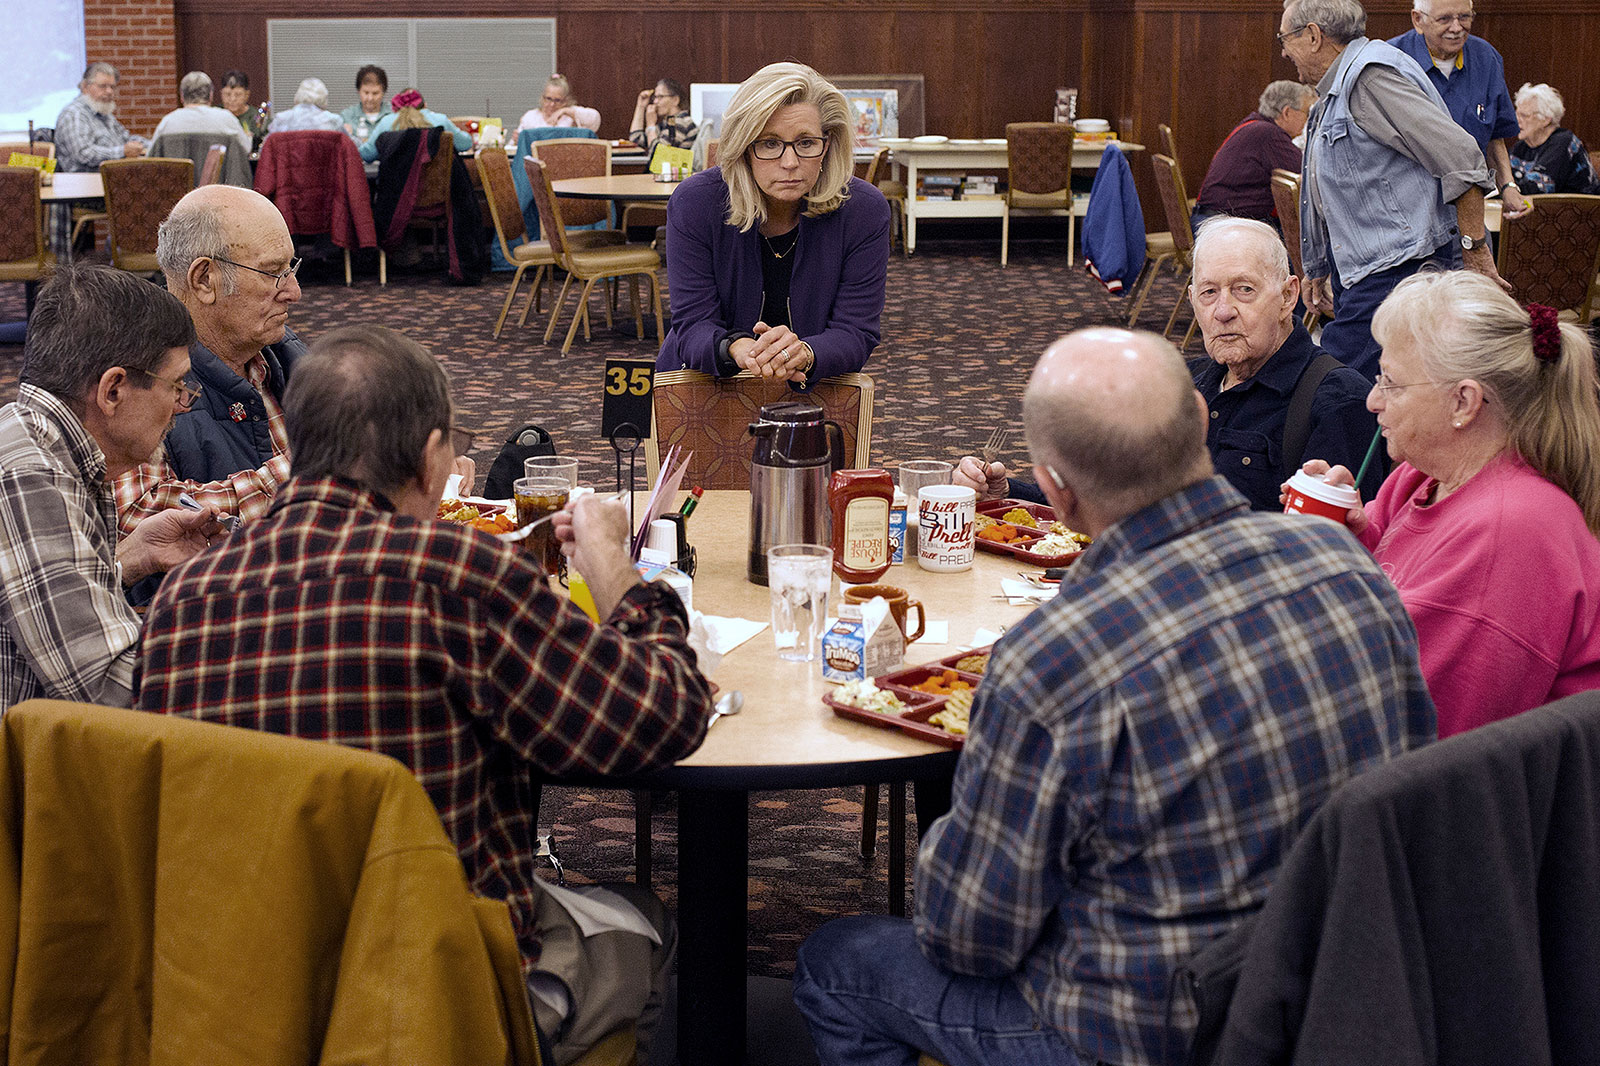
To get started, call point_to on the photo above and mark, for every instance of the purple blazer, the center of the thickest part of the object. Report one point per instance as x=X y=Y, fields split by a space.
x=714 y=275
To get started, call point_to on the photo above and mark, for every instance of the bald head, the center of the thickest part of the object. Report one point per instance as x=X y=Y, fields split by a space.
x=217 y=220
x=228 y=256
x=1114 y=413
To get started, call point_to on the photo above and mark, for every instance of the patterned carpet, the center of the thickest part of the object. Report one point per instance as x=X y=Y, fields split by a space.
x=960 y=337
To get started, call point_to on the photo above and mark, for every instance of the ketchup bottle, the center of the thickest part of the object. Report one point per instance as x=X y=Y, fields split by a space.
x=860 y=502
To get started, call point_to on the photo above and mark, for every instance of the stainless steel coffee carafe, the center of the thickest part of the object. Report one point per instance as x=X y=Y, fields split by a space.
x=797 y=450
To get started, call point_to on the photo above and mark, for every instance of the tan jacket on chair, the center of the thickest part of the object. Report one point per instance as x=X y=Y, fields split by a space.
x=173 y=891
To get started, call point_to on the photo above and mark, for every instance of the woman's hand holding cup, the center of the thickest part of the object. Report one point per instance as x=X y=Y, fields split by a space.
x=1356 y=517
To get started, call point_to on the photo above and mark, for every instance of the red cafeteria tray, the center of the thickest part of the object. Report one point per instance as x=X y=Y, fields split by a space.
x=1018 y=549
x=920 y=706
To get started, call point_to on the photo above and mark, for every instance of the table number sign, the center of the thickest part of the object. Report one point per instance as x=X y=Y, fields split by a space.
x=37 y=162
x=628 y=384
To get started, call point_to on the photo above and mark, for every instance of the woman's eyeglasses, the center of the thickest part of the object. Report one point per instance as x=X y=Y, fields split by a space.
x=770 y=148
x=1385 y=384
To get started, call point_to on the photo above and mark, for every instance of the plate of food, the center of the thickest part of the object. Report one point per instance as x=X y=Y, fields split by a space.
x=482 y=514
x=932 y=701
x=1028 y=532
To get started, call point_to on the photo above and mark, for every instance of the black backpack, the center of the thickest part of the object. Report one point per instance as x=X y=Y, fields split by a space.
x=524 y=444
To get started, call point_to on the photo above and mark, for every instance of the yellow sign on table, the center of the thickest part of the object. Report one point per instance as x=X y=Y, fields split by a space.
x=37 y=162
x=666 y=155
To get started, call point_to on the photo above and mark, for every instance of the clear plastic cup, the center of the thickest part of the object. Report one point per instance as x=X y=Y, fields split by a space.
x=799 y=577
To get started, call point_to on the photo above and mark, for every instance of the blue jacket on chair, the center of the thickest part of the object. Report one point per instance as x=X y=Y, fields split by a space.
x=1113 y=230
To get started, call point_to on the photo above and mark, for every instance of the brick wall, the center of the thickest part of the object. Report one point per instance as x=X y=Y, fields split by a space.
x=139 y=38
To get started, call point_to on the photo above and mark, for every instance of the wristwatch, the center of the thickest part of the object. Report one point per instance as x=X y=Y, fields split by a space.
x=1469 y=243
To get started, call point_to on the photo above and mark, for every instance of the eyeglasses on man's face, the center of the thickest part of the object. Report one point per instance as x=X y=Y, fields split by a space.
x=1442 y=21
x=461 y=440
x=278 y=276
x=187 y=393
x=1287 y=35
x=770 y=148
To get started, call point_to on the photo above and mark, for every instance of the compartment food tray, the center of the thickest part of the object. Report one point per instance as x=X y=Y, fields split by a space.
x=920 y=706
x=1019 y=549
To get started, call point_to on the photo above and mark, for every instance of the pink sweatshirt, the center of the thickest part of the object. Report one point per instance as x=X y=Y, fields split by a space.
x=1502 y=579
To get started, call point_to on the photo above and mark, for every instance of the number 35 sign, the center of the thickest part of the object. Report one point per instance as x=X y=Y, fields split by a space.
x=628 y=383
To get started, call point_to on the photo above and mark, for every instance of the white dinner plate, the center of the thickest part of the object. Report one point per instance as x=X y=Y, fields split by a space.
x=994 y=140
x=931 y=138
x=894 y=140
x=966 y=140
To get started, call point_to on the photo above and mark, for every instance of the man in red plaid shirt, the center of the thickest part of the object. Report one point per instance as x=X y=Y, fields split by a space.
x=349 y=613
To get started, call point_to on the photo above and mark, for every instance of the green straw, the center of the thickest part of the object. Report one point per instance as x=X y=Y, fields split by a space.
x=1372 y=449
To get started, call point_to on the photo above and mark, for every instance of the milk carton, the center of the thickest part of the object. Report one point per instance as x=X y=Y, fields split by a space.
x=897 y=527
x=864 y=642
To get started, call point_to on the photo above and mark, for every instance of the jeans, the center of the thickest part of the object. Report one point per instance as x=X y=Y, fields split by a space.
x=1348 y=338
x=870 y=997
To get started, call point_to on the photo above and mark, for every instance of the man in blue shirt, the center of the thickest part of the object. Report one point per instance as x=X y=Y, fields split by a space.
x=1471 y=77
x=1143 y=748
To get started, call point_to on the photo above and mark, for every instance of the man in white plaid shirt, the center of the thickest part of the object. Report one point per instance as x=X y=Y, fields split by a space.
x=103 y=374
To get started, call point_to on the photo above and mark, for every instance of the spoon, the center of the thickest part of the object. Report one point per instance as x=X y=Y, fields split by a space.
x=731 y=702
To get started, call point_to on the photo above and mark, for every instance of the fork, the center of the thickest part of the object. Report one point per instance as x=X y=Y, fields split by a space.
x=995 y=444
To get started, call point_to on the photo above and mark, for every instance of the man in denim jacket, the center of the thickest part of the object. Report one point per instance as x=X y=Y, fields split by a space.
x=1384 y=162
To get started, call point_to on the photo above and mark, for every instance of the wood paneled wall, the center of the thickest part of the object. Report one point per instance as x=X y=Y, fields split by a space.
x=1196 y=65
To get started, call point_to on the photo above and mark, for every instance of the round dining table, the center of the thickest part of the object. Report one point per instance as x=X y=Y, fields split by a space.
x=784 y=738
x=639 y=187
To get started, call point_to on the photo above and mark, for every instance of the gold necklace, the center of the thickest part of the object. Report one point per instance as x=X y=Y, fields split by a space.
x=774 y=249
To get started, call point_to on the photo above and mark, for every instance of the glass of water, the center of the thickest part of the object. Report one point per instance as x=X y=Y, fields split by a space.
x=799 y=576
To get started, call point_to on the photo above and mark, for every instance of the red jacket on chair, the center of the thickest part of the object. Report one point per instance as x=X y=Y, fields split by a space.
x=316 y=179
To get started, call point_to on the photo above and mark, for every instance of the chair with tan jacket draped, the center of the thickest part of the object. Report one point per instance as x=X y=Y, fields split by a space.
x=178 y=891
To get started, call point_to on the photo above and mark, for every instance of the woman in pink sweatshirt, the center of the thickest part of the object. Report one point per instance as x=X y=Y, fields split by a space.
x=1488 y=524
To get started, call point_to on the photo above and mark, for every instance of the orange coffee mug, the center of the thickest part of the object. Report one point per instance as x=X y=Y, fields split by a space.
x=900 y=604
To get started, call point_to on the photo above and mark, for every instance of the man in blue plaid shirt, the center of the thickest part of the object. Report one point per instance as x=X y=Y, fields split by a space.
x=1142 y=752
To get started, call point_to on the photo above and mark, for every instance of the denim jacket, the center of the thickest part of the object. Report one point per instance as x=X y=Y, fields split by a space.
x=1381 y=208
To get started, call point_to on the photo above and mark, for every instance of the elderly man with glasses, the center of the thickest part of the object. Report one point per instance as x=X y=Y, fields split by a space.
x=1471 y=77
x=1391 y=184
x=228 y=257
x=102 y=377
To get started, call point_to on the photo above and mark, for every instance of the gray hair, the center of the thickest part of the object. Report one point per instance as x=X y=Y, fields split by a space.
x=1547 y=102
x=1464 y=326
x=99 y=68
x=1282 y=94
x=312 y=92
x=88 y=319
x=1125 y=464
x=1341 y=20
x=195 y=88
x=341 y=425
x=193 y=229
x=774 y=86
x=1265 y=241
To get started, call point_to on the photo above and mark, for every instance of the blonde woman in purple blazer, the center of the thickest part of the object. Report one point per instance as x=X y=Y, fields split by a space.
x=777 y=259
